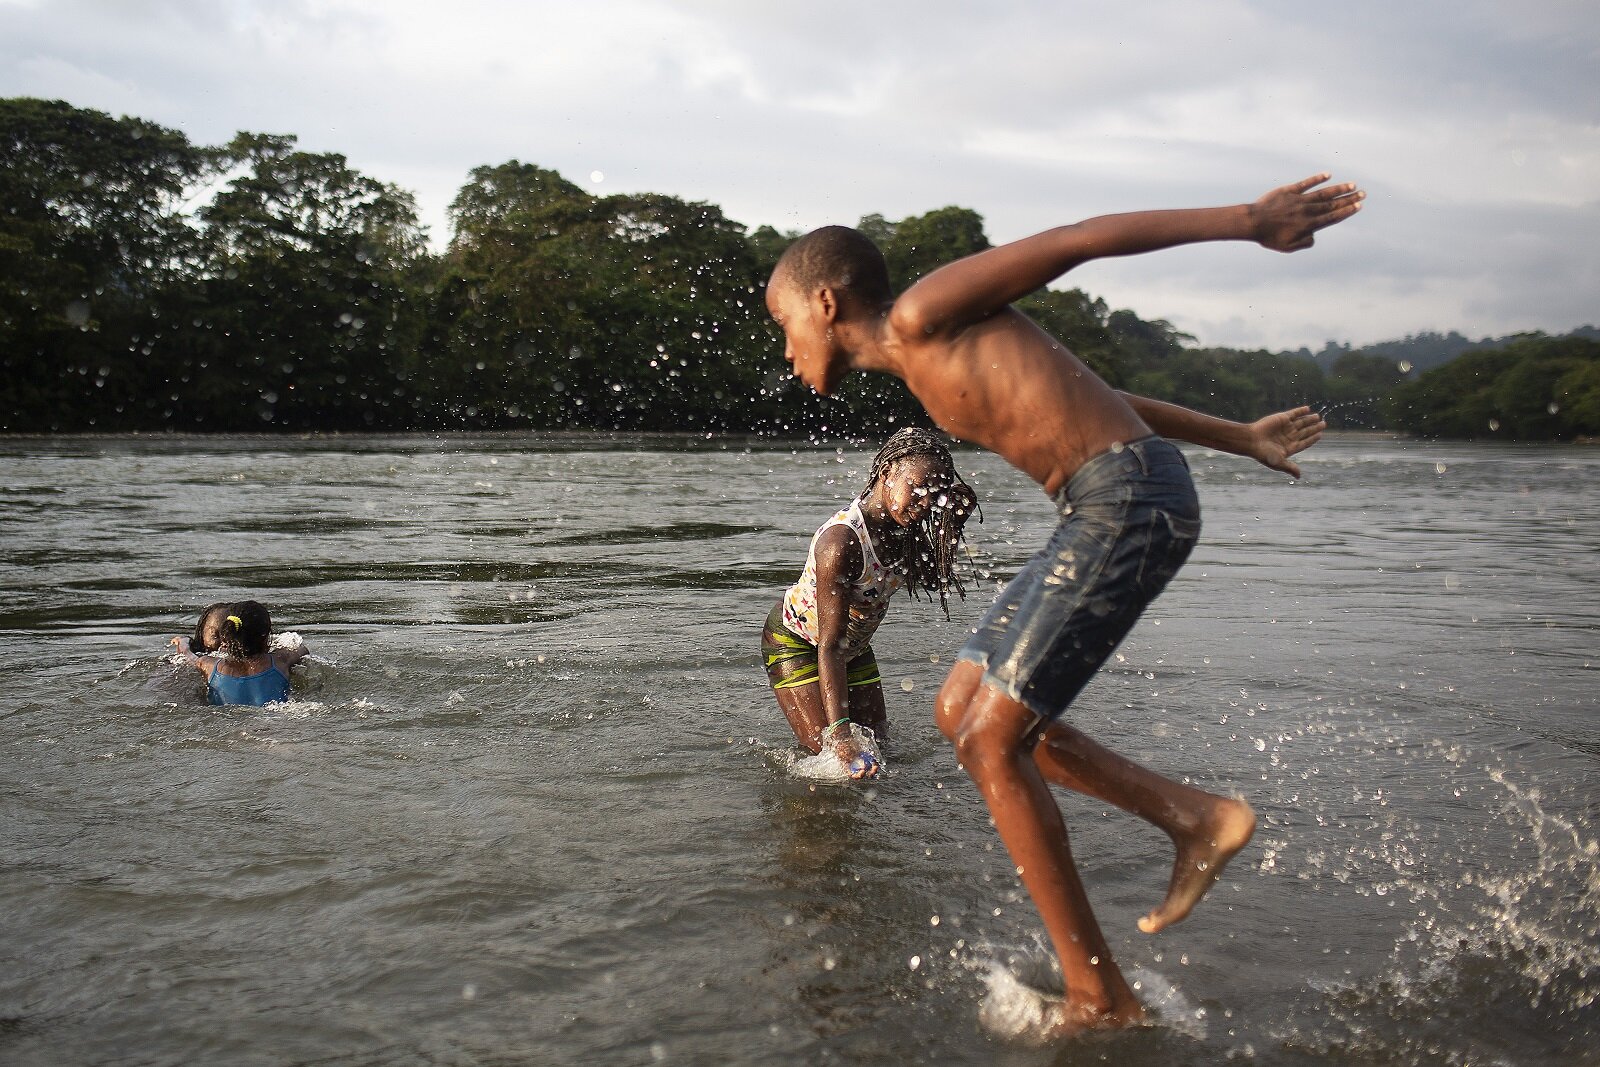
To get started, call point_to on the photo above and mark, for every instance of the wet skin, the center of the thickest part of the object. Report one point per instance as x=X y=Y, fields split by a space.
x=905 y=494
x=987 y=374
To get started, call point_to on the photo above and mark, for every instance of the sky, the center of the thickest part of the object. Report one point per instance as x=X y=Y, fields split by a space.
x=1473 y=125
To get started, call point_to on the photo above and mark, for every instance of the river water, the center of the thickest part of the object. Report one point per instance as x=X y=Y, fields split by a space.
x=530 y=803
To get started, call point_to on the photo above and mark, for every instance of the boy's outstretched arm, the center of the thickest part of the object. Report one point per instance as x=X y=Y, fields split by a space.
x=1270 y=441
x=971 y=289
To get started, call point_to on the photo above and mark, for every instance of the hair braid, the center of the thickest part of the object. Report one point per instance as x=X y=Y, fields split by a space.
x=929 y=563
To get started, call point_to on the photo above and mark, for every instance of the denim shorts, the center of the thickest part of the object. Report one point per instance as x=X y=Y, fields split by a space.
x=1129 y=519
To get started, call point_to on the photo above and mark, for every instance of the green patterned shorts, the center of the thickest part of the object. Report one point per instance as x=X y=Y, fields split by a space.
x=791 y=660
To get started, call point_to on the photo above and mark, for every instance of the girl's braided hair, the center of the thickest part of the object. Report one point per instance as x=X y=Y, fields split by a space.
x=929 y=563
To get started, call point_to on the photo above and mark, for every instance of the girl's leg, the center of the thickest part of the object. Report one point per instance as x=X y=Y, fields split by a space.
x=802 y=706
x=867 y=709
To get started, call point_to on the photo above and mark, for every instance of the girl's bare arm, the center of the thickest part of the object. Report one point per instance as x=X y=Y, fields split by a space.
x=203 y=665
x=839 y=557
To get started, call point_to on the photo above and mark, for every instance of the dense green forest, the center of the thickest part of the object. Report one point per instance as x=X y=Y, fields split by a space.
x=149 y=283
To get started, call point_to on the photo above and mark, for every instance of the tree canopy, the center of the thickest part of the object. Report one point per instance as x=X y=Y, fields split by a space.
x=1535 y=388
x=148 y=283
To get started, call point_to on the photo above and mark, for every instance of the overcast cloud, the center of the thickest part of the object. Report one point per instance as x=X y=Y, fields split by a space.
x=1474 y=127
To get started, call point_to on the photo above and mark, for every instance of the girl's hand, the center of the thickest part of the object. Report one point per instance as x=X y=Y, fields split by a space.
x=864 y=766
x=857 y=760
x=181 y=643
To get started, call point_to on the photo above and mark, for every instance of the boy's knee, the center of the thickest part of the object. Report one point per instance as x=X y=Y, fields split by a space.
x=954 y=696
x=983 y=743
x=986 y=728
x=947 y=713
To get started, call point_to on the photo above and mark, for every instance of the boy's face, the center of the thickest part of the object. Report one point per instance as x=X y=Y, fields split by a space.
x=809 y=346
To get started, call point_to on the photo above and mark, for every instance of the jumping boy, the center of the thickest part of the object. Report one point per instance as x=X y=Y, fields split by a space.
x=1129 y=517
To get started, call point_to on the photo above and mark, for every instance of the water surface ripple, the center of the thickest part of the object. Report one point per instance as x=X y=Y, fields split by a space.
x=529 y=806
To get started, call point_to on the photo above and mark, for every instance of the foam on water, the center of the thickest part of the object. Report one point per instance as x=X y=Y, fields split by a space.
x=1021 y=997
x=826 y=766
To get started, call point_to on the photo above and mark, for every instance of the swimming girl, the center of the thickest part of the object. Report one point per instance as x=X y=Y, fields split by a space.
x=904 y=529
x=244 y=670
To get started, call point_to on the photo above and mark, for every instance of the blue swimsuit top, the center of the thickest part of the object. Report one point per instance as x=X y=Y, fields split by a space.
x=252 y=690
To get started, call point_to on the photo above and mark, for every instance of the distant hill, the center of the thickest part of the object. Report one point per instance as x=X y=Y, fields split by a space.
x=1424 y=351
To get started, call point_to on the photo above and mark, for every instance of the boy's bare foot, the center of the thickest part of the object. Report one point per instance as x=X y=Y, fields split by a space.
x=1201 y=857
x=1066 y=1019
x=1038 y=1018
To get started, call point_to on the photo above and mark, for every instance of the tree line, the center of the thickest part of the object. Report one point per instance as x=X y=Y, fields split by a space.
x=150 y=283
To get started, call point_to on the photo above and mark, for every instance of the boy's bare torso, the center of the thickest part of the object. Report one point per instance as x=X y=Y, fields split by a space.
x=1005 y=384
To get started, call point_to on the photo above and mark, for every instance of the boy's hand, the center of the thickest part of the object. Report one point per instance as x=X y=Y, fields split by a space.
x=1277 y=437
x=1285 y=219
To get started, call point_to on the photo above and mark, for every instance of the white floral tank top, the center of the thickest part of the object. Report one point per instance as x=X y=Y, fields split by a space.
x=869 y=593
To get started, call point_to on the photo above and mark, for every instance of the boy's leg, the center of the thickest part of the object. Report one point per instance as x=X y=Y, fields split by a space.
x=1206 y=830
x=991 y=733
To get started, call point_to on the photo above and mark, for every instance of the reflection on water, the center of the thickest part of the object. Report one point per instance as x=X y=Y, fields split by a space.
x=531 y=805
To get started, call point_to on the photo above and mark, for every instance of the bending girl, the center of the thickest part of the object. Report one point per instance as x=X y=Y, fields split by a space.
x=904 y=529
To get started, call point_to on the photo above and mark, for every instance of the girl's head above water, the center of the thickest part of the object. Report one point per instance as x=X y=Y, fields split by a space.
x=246 y=630
x=915 y=471
x=208 y=631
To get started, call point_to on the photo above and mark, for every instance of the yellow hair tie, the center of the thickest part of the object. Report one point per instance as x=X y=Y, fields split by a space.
x=237 y=622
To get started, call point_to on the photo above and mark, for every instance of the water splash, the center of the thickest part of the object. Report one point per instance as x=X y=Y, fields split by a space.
x=1541 y=919
x=1021 y=997
x=825 y=766
x=1532 y=918
x=1503 y=942
x=1014 y=1010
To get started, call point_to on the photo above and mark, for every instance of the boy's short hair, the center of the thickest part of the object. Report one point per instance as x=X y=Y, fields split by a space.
x=839 y=258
